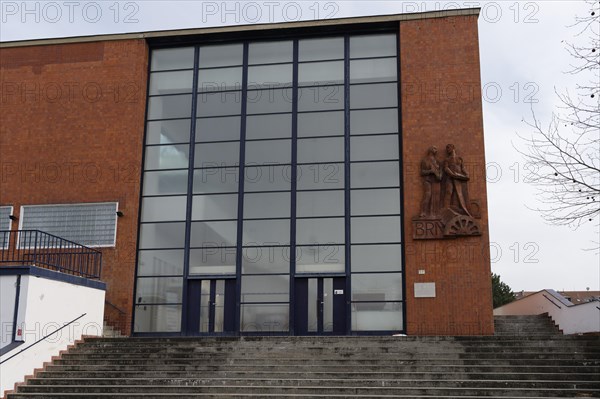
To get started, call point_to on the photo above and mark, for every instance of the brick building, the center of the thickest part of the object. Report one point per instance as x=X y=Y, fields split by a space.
x=225 y=150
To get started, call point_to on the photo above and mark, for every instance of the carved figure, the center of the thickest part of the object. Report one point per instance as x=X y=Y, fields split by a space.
x=454 y=183
x=430 y=174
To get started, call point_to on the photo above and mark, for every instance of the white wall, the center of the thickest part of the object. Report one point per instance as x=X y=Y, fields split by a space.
x=45 y=306
x=8 y=289
x=574 y=319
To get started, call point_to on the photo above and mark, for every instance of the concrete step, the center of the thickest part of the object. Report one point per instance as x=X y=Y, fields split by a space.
x=345 y=356
x=260 y=362
x=304 y=390
x=322 y=382
x=343 y=374
x=440 y=368
x=129 y=395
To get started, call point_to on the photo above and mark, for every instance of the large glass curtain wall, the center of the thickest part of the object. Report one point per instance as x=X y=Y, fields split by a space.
x=267 y=161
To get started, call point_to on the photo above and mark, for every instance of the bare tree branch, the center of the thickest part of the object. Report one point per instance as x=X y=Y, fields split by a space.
x=565 y=155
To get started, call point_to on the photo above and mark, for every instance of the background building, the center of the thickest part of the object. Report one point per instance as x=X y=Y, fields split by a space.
x=226 y=150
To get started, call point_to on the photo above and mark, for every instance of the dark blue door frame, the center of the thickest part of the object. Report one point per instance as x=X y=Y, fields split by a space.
x=194 y=298
x=304 y=302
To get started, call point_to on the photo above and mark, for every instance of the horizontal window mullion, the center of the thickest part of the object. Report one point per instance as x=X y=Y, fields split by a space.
x=171 y=70
x=374 y=57
x=171 y=95
x=219 y=67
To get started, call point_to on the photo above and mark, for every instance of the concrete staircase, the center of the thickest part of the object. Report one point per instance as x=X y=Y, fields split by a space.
x=507 y=366
x=539 y=326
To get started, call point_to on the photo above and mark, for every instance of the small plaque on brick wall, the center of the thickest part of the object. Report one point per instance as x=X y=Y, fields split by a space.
x=424 y=290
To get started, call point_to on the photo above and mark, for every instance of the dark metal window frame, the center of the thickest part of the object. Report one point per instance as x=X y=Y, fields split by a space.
x=295 y=35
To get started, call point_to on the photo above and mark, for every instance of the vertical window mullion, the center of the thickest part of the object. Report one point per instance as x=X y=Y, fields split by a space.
x=347 y=181
x=241 y=171
x=401 y=181
x=293 y=186
x=190 y=191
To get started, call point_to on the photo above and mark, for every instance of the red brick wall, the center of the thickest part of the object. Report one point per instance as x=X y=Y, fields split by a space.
x=72 y=125
x=71 y=131
x=441 y=104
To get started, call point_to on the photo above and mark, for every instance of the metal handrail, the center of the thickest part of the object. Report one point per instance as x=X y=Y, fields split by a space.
x=36 y=247
x=43 y=338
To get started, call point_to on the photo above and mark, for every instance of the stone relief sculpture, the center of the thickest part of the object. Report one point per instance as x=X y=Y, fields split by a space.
x=431 y=174
x=445 y=206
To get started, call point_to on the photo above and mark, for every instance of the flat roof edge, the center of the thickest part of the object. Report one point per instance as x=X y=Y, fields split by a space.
x=243 y=28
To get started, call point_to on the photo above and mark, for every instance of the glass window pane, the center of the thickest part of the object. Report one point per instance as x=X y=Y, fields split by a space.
x=267 y=178
x=269 y=100
x=212 y=261
x=375 y=174
x=321 y=98
x=219 y=103
x=157 y=318
x=172 y=58
x=376 y=258
x=159 y=290
x=320 y=177
x=372 y=148
x=216 y=180
x=265 y=288
x=266 y=232
x=321 y=73
x=320 y=203
x=212 y=80
x=170 y=107
x=162 y=209
x=377 y=287
x=269 y=76
x=320 y=259
x=156 y=263
x=170 y=82
x=214 y=234
x=265 y=260
x=373 y=70
x=377 y=316
x=375 y=229
x=321 y=49
x=268 y=126
x=265 y=318
x=223 y=55
x=217 y=154
x=374 y=121
x=373 y=46
x=321 y=123
x=270 y=52
x=162 y=235
x=374 y=96
x=320 y=231
x=167 y=132
x=165 y=182
x=266 y=205
x=218 y=129
x=268 y=152
x=375 y=202
x=321 y=150
x=167 y=157
x=211 y=207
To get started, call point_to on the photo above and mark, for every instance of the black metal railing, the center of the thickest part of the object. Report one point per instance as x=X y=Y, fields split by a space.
x=38 y=248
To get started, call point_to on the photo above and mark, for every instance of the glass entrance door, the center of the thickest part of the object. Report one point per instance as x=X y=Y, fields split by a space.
x=211 y=305
x=320 y=306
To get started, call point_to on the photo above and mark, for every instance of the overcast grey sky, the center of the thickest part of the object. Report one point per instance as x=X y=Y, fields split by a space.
x=523 y=61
